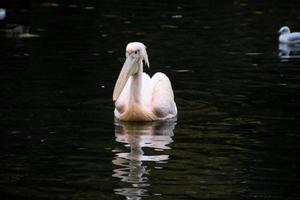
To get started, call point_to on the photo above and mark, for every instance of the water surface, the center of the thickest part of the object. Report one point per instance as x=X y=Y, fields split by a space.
x=236 y=136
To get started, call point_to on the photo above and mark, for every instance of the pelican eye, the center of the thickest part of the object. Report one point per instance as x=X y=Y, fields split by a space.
x=136 y=52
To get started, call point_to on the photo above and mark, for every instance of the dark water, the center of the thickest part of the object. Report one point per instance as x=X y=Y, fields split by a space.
x=237 y=133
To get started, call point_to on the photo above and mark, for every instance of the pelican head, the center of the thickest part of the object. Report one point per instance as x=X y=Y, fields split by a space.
x=138 y=50
x=135 y=55
x=284 y=30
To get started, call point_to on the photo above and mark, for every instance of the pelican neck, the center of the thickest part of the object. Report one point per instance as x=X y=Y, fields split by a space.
x=136 y=85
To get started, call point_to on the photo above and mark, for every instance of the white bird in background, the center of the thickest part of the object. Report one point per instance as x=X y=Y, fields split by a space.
x=138 y=97
x=2 y=13
x=287 y=37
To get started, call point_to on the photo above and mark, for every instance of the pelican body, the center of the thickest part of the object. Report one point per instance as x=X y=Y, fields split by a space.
x=287 y=37
x=138 y=97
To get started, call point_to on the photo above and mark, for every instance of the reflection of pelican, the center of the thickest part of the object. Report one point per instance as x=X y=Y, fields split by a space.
x=288 y=51
x=137 y=96
x=287 y=37
x=155 y=135
x=151 y=135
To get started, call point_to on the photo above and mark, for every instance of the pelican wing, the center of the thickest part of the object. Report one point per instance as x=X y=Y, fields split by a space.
x=163 y=103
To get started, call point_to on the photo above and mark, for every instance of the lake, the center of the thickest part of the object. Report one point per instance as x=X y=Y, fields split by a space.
x=236 y=89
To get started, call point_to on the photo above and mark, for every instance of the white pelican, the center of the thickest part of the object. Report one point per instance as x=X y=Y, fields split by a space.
x=138 y=97
x=287 y=37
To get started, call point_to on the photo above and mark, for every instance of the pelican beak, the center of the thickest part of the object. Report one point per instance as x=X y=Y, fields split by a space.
x=129 y=68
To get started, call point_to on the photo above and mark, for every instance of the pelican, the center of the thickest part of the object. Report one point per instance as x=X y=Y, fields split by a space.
x=287 y=37
x=138 y=97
